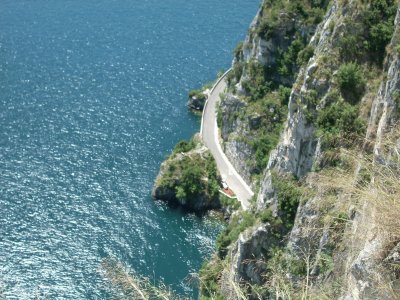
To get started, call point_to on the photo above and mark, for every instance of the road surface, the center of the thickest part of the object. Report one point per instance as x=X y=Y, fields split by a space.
x=210 y=135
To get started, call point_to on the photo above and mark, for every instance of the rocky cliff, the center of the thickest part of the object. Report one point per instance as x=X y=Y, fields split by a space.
x=310 y=119
x=265 y=66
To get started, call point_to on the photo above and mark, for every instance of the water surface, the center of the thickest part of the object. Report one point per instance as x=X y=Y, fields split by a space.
x=92 y=98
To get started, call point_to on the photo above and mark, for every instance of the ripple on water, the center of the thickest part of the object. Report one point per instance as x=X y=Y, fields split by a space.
x=92 y=98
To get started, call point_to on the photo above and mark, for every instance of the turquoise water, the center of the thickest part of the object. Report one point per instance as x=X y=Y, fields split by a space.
x=92 y=98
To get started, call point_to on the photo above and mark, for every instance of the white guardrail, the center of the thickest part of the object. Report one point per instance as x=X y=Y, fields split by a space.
x=211 y=91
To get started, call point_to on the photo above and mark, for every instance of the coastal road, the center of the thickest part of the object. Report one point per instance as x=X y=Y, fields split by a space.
x=210 y=135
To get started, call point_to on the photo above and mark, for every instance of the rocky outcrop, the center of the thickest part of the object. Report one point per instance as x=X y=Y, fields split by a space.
x=366 y=273
x=197 y=100
x=232 y=132
x=339 y=238
x=297 y=149
x=363 y=266
x=266 y=49
x=385 y=109
x=189 y=179
x=239 y=130
x=248 y=260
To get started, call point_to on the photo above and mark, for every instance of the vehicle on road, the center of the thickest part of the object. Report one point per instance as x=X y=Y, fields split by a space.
x=224 y=184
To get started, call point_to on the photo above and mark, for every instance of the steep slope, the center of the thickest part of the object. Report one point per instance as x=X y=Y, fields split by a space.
x=323 y=224
x=265 y=66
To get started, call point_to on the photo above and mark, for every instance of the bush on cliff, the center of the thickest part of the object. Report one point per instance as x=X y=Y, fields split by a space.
x=338 y=122
x=273 y=109
x=288 y=62
x=256 y=86
x=351 y=82
x=198 y=94
x=368 y=37
x=189 y=178
x=190 y=182
x=309 y=11
x=289 y=194
x=378 y=21
x=237 y=225
x=184 y=146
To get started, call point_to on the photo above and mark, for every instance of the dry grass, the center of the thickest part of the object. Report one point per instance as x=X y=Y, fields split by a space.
x=370 y=186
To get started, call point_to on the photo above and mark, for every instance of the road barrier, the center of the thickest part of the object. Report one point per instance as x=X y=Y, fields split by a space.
x=212 y=90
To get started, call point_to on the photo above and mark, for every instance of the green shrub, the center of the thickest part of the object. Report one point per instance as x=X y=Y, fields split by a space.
x=380 y=36
x=225 y=202
x=379 y=22
x=209 y=274
x=351 y=82
x=368 y=38
x=238 y=51
x=281 y=259
x=351 y=47
x=184 y=146
x=236 y=73
x=266 y=28
x=198 y=94
x=271 y=20
x=213 y=177
x=191 y=175
x=190 y=182
x=332 y=25
x=263 y=144
x=316 y=15
x=311 y=99
x=325 y=263
x=289 y=194
x=267 y=136
x=288 y=61
x=338 y=122
x=333 y=96
x=284 y=94
x=256 y=87
x=219 y=117
x=237 y=225
x=304 y=55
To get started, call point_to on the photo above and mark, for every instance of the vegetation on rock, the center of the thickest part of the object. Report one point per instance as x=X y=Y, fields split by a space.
x=333 y=96
x=309 y=219
x=189 y=177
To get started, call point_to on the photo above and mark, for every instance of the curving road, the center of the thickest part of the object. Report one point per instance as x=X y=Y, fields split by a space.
x=209 y=133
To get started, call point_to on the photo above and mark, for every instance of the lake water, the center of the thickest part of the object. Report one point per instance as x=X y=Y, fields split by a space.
x=92 y=99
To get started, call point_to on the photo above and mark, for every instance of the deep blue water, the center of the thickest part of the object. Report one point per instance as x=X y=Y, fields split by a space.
x=92 y=98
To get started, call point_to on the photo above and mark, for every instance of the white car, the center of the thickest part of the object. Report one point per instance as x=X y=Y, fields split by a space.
x=224 y=184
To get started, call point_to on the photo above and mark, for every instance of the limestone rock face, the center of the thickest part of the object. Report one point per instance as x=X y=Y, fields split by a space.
x=164 y=193
x=365 y=269
x=230 y=107
x=232 y=132
x=247 y=260
x=267 y=51
x=385 y=109
x=236 y=131
x=298 y=151
x=249 y=251
x=394 y=256
x=298 y=146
